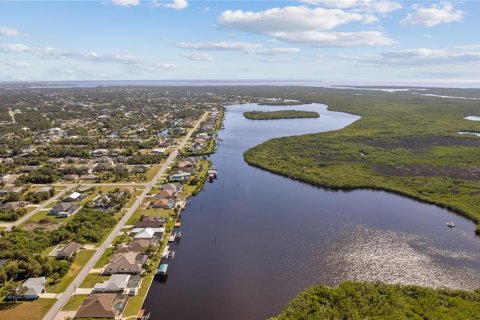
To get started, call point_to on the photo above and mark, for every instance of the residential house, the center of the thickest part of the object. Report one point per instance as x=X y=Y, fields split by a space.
x=163 y=204
x=159 y=151
x=124 y=263
x=99 y=152
x=116 y=283
x=163 y=194
x=180 y=176
x=44 y=189
x=75 y=196
x=98 y=306
x=68 y=250
x=138 y=245
x=64 y=209
x=34 y=287
x=176 y=187
x=150 y=222
x=148 y=233
x=15 y=205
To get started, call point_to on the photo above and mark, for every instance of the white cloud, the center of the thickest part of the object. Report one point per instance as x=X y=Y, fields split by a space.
x=422 y=56
x=335 y=39
x=222 y=45
x=288 y=18
x=59 y=54
x=304 y=25
x=431 y=16
x=9 y=32
x=126 y=3
x=198 y=56
x=245 y=47
x=176 y=4
x=276 y=51
x=14 y=48
x=377 y=6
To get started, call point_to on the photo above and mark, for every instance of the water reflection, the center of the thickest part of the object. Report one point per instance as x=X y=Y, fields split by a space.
x=252 y=240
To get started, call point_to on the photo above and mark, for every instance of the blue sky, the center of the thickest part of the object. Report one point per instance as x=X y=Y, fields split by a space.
x=305 y=39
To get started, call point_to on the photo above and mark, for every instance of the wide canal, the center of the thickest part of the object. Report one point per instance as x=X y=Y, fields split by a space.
x=252 y=240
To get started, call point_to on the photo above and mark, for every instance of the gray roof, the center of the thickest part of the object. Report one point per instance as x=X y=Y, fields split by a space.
x=35 y=286
x=68 y=250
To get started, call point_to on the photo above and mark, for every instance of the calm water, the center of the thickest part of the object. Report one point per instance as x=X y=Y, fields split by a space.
x=252 y=240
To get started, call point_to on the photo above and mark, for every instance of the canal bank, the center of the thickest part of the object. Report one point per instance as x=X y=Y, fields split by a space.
x=252 y=240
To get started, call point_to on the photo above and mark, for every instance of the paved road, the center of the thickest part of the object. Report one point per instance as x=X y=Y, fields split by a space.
x=63 y=299
x=10 y=225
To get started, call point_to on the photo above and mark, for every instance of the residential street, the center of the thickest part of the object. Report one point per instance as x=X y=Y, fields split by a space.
x=63 y=299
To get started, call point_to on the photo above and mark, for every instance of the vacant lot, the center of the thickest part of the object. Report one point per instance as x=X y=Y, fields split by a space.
x=27 y=310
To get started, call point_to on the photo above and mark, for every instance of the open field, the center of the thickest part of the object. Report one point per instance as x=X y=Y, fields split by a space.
x=149 y=212
x=81 y=258
x=280 y=114
x=406 y=144
x=27 y=310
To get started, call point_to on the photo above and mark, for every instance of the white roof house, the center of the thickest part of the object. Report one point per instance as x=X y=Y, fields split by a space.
x=35 y=287
x=148 y=233
x=116 y=283
x=138 y=230
x=74 y=196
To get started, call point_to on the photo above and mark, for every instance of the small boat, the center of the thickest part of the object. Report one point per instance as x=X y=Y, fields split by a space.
x=450 y=224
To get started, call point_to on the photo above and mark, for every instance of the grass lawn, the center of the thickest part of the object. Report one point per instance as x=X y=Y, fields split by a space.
x=152 y=171
x=75 y=302
x=134 y=197
x=92 y=279
x=104 y=258
x=80 y=260
x=136 y=302
x=149 y=212
x=44 y=214
x=26 y=310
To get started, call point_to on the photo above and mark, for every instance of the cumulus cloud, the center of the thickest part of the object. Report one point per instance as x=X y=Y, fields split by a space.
x=293 y=18
x=9 y=32
x=126 y=3
x=377 y=6
x=422 y=56
x=304 y=25
x=245 y=47
x=177 y=4
x=198 y=56
x=431 y=16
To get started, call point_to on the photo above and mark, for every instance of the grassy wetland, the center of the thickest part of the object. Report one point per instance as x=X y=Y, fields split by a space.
x=404 y=143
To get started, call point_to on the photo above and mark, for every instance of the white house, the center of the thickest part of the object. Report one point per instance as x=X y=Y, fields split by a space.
x=116 y=283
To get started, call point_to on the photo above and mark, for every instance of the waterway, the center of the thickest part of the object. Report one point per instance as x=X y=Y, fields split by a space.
x=252 y=240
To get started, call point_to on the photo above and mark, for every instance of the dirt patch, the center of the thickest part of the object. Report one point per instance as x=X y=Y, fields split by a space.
x=48 y=226
x=472 y=173
x=424 y=142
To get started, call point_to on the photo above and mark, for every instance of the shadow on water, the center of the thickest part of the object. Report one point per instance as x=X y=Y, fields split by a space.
x=252 y=240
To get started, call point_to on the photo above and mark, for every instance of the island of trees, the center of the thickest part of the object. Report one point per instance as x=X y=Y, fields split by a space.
x=280 y=114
